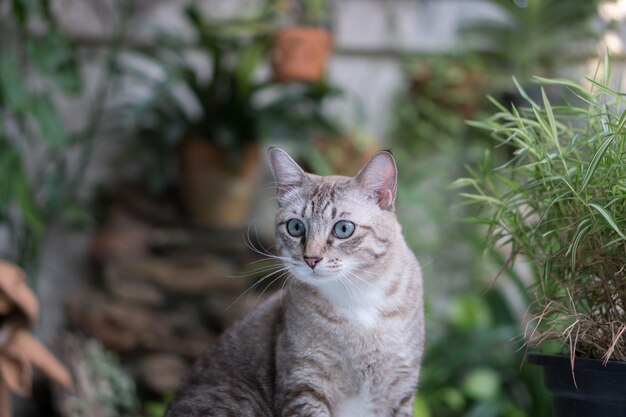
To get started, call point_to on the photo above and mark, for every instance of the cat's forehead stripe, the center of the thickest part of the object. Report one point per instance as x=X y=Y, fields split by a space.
x=320 y=199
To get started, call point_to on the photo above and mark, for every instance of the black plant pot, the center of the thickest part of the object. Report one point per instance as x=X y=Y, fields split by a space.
x=599 y=391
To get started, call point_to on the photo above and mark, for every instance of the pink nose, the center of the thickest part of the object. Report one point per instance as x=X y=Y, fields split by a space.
x=312 y=260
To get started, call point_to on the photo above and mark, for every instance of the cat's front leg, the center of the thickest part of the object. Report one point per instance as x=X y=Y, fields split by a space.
x=305 y=400
x=405 y=408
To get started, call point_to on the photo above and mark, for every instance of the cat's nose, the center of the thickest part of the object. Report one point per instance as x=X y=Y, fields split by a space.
x=312 y=260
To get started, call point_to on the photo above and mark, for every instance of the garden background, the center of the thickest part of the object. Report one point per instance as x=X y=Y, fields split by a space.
x=101 y=101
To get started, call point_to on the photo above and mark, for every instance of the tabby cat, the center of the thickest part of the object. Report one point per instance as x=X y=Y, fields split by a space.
x=346 y=336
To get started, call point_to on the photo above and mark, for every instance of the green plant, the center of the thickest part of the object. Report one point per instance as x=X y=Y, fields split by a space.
x=441 y=92
x=472 y=362
x=531 y=35
x=561 y=202
x=314 y=12
x=102 y=387
x=219 y=105
x=303 y=12
x=230 y=107
x=39 y=177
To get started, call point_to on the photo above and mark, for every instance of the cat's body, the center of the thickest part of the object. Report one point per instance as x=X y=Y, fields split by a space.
x=346 y=337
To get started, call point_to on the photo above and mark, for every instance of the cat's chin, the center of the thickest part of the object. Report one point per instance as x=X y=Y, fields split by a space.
x=313 y=277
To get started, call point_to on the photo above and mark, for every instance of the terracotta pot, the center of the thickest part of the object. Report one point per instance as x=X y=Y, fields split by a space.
x=300 y=53
x=217 y=193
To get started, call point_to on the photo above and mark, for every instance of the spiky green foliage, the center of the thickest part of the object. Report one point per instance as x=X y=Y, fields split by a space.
x=560 y=201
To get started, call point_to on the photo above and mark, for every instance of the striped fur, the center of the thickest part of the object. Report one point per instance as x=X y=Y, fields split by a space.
x=346 y=338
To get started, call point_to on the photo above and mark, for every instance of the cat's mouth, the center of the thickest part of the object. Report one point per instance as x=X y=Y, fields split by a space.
x=318 y=274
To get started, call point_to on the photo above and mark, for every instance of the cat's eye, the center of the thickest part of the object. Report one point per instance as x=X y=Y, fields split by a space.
x=295 y=227
x=343 y=229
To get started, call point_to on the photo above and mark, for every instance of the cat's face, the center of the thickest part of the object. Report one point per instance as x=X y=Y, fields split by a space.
x=334 y=228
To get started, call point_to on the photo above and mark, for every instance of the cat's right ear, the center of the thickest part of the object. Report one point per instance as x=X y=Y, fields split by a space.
x=287 y=173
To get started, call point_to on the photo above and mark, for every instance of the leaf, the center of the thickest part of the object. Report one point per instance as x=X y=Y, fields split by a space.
x=10 y=166
x=31 y=215
x=607 y=216
x=51 y=126
x=12 y=86
x=249 y=62
x=551 y=120
x=420 y=407
x=583 y=227
x=462 y=183
x=562 y=81
x=597 y=156
x=524 y=94
x=19 y=11
x=55 y=58
x=484 y=199
x=77 y=216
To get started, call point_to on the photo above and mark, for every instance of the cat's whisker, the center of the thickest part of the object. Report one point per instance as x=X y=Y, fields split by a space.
x=269 y=285
x=256 y=271
x=342 y=280
x=368 y=272
x=256 y=232
x=356 y=276
x=262 y=260
x=282 y=293
x=357 y=287
x=253 y=286
x=352 y=290
x=250 y=246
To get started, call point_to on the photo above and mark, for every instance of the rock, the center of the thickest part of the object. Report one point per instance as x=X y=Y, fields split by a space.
x=128 y=289
x=124 y=237
x=187 y=274
x=119 y=326
x=162 y=373
x=130 y=328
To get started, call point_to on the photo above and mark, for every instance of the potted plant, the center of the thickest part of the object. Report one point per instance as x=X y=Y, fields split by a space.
x=302 y=49
x=209 y=121
x=560 y=202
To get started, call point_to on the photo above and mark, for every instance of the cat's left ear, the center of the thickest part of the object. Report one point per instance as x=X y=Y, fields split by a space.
x=287 y=172
x=379 y=178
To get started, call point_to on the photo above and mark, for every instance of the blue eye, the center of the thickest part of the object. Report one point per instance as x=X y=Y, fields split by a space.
x=343 y=229
x=295 y=227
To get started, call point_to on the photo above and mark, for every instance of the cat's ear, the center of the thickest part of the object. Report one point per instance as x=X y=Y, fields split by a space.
x=287 y=173
x=379 y=178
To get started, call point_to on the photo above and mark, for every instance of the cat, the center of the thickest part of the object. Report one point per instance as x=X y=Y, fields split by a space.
x=347 y=335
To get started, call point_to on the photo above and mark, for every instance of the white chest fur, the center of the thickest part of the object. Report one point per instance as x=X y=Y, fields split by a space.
x=360 y=405
x=360 y=304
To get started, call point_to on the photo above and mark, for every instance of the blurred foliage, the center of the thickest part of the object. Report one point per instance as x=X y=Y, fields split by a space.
x=530 y=36
x=472 y=364
x=156 y=408
x=229 y=105
x=442 y=92
x=428 y=126
x=39 y=184
x=561 y=202
x=104 y=389
x=233 y=50
x=304 y=12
